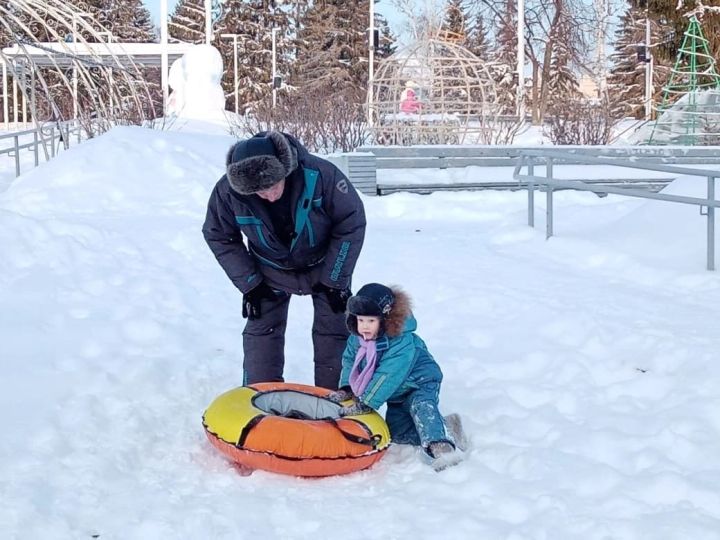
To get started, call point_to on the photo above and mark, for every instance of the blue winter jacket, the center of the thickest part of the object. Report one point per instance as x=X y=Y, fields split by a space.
x=329 y=223
x=404 y=364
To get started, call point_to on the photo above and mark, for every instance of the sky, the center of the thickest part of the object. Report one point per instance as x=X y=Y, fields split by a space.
x=584 y=367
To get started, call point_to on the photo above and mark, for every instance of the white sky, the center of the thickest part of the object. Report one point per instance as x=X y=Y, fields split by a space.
x=585 y=367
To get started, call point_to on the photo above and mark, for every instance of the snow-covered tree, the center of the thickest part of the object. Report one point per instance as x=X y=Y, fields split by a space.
x=386 y=43
x=455 y=19
x=253 y=21
x=672 y=16
x=128 y=20
x=626 y=83
x=477 y=38
x=187 y=22
x=562 y=84
x=504 y=57
x=333 y=46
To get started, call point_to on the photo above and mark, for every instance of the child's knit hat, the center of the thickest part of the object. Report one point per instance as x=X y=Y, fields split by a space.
x=372 y=300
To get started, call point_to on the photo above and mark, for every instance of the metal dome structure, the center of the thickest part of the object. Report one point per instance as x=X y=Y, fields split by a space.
x=433 y=91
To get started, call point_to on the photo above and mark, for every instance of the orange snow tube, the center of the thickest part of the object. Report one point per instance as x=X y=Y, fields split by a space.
x=293 y=429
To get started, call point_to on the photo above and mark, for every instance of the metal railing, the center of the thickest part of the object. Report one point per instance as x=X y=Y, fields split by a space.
x=530 y=158
x=363 y=166
x=49 y=138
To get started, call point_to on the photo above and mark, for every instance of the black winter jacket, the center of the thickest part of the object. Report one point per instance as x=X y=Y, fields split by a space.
x=329 y=220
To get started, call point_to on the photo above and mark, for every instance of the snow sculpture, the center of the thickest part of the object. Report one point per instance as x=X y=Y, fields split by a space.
x=195 y=82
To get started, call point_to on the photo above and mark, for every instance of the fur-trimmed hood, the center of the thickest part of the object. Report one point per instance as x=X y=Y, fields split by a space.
x=401 y=310
x=260 y=162
x=393 y=322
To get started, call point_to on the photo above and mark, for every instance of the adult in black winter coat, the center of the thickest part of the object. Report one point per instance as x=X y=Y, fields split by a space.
x=304 y=226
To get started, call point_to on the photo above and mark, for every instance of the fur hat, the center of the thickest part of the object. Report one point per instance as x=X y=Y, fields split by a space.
x=392 y=305
x=260 y=162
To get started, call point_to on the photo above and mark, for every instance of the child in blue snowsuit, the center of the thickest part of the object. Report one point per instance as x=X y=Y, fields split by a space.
x=385 y=362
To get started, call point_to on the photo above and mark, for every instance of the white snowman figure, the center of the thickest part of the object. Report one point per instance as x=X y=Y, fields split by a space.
x=195 y=82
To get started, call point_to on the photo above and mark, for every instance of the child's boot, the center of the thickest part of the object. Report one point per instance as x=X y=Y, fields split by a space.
x=444 y=455
x=456 y=431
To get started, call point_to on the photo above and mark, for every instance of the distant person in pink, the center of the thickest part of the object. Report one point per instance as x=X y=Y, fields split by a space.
x=409 y=102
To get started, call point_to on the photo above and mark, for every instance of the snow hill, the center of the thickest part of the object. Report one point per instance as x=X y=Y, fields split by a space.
x=585 y=367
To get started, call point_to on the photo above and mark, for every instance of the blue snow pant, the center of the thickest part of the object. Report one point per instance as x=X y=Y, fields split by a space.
x=264 y=342
x=416 y=419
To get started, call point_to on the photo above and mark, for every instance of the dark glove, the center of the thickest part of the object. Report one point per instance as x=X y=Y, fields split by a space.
x=337 y=298
x=252 y=299
x=358 y=407
x=340 y=395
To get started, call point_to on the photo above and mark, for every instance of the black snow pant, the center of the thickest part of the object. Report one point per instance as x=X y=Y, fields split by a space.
x=264 y=342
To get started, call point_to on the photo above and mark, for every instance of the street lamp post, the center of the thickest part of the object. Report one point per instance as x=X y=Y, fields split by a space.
x=274 y=68
x=75 y=16
x=208 y=21
x=234 y=37
x=521 y=60
x=6 y=109
x=371 y=63
x=164 y=52
x=648 y=70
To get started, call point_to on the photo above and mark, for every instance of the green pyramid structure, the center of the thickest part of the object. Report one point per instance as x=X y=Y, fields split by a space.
x=690 y=110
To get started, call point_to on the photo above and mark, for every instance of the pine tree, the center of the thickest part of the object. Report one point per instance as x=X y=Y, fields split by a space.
x=626 y=83
x=672 y=17
x=504 y=65
x=454 y=23
x=563 y=83
x=253 y=21
x=332 y=46
x=129 y=21
x=386 y=42
x=187 y=22
x=477 y=42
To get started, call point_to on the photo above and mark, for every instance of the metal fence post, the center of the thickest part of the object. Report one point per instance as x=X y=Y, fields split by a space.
x=549 y=209
x=35 y=147
x=531 y=195
x=17 y=155
x=711 y=224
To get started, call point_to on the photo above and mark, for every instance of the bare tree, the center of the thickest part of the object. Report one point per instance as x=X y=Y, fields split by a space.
x=423 y=18
x=552 y=27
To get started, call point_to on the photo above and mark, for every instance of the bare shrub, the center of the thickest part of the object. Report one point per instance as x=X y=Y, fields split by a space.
x=501 y=129
x=581 y=122
x=325 y=121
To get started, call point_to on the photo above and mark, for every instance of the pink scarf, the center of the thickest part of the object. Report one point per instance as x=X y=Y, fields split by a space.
x=359 y=379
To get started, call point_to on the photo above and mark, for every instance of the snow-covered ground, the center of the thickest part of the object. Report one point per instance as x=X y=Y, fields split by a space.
x=585 y=367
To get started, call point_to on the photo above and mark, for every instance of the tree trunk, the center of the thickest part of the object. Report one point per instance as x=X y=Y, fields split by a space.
x=535 y=92
x=547 y=57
